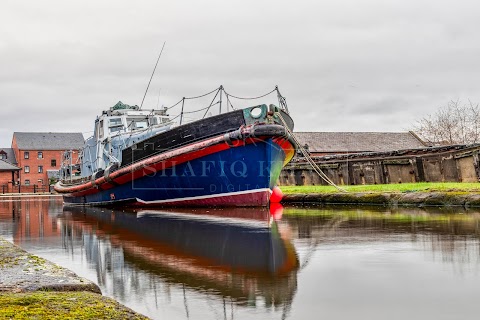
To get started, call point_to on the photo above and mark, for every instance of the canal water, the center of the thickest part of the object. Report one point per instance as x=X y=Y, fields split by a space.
x=290 y=263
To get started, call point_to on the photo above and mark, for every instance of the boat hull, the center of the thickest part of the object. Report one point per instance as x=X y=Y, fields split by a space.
x=238 y=173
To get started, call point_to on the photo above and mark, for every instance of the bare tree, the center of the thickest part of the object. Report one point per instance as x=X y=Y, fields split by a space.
x=455 y=123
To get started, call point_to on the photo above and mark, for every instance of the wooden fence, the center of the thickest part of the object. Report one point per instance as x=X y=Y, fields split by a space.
x=9 y=188
x=437 y=164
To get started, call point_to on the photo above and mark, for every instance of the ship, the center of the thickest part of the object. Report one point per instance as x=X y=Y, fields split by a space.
x=142 y=157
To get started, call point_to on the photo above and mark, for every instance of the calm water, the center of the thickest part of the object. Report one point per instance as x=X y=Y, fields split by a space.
x=320 y=263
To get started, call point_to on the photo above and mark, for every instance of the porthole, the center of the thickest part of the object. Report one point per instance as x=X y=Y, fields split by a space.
x=256 y=112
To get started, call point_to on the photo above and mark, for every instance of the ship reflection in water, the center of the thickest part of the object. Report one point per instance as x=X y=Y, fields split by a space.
x=215 y=251
x=329 y=263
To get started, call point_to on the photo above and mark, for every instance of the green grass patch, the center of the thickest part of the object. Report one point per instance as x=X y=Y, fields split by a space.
x=62 y=305
x=457 y=187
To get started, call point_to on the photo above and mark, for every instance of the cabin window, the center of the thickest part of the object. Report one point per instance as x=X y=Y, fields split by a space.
x=135 y=124
x=26 y=169
x=153 y=121
x=40 y=155
x=27 y=182
x=40 y=169
x=141 y=124
x=26 y=155
x=163 y=119
x=53 y=163
x=115 y=125
x=115 y=122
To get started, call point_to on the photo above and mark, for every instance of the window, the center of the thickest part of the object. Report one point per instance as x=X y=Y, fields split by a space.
x=40 y=155
x=26 y=155
x=27 y=169
x=40 y=169
x=137 y=123
x=27 y=182
x=53 y=163
x=115 y=122
x=115 y=125
x=40 y=181
x=141 y=124
x=3 y=156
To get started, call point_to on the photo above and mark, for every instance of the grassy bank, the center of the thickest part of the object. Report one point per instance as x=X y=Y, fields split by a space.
x=35 y=288
x=62 y=305
x=386 y=188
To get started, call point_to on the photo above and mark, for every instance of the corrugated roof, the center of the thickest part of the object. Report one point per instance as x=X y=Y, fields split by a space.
x=339 y=142
x=5 y=166
x=10 y=155
x=48 y=140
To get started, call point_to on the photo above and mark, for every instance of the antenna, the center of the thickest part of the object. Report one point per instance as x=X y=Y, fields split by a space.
x=158 y=98
x=158 y=59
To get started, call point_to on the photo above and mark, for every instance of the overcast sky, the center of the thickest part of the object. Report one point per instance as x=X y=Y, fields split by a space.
x=343 y=65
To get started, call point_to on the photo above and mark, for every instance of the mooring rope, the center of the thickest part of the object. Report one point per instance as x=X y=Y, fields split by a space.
x=315 y=167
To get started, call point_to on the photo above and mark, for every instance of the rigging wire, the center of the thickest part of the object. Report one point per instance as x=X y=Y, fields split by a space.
x=229 y=102
x=151 y=77
x=158 y=98
x=211 y=103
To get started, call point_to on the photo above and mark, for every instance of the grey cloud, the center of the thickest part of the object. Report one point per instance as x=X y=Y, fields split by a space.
x=343 y=65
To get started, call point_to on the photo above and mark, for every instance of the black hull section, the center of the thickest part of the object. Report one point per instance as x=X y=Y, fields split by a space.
x=182 y=135
x=189 y=133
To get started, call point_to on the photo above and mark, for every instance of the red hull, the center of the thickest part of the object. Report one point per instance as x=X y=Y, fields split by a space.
x=254 y=198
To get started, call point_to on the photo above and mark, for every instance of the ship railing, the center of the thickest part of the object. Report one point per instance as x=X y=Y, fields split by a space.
x=218 y=99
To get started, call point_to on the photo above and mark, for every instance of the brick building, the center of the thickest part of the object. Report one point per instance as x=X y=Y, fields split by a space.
x=39 y=154
x=9 y=172
x=8 y=176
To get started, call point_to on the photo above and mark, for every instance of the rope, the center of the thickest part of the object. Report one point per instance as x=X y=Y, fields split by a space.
x=229 y=102
x=315 y=167
x=227 y=95
x=190 y=98
x=250 y=98
x=203 y=95
x=176 y=104
x=187 y=112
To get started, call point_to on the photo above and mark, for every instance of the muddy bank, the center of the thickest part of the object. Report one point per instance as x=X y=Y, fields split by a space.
x=51 y=291
x=418 y=199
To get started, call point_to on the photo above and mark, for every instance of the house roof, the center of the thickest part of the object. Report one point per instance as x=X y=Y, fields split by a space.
x=48 y=140
x=5 y=166
x=10 y=155
x=341 y=142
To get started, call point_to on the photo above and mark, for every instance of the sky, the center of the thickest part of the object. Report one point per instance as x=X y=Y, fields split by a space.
x=343 y=65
